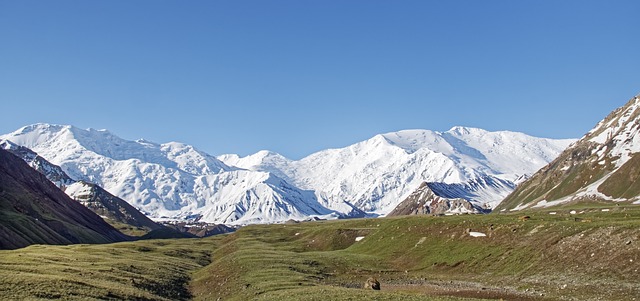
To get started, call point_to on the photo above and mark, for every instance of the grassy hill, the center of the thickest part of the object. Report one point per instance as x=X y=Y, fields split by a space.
x=590 y=255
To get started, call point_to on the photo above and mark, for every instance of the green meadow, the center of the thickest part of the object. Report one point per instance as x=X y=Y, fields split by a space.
x=547 y=255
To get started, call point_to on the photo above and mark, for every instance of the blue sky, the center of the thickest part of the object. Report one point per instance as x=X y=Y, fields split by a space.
x=299 y=76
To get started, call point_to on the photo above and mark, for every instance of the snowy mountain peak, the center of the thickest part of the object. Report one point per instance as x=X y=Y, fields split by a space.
x=176 y=180
x=146 y=142
x=412 y=140
x=263 y=160
x=61 y=143
x=264 y=156
x=171 y=180
x=615 y=123
x=41 y=127
x=465 y=131
x=375 y=174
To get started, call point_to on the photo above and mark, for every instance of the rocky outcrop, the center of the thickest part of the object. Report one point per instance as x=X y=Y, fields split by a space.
x=372 y=284
x=200 y=229
x=110 y=207
x=425 y=201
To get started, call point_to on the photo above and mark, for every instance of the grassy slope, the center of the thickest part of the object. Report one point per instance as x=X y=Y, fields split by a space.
x=573 y=170
x=581 y=165
x=555 y=255
x=625 y=183
x=135 y=231
x=592 y=255
x=144 y=270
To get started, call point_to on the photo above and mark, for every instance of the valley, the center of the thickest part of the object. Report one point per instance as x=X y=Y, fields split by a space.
x=591 y=255
x=319 y=150
x=567 y=232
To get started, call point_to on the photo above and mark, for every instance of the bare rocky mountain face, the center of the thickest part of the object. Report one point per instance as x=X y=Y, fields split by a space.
x=110 y=207
x=603 y=166
x=425 y=201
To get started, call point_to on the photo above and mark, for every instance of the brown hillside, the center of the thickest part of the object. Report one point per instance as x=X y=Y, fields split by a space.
x=34 y=211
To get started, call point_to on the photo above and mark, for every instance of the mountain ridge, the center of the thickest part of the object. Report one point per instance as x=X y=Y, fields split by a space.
x=446 y=157
x=368 y=178
x=171 y=180
x=114 y=210
x=603 y=165
x=35 y=211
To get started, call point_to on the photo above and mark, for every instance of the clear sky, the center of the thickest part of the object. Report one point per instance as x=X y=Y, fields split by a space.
x=299 y=76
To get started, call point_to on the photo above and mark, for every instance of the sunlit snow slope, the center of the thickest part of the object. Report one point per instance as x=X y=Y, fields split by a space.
x=177 y=181
x=171 y=180
x=376 y=174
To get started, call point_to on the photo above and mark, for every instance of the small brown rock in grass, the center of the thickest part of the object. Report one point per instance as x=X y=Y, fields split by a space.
x=372 y=283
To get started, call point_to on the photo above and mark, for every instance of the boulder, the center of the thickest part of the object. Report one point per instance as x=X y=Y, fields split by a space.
x=372 y=283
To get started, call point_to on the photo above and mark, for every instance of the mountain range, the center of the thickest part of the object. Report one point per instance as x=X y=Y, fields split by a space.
x=177 y=181
x=376 y=174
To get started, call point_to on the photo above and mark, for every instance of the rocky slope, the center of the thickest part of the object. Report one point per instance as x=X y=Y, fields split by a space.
x=54 y=173
x=112 y=208
x=425 y=201
x=604 y=165
x=34 y=211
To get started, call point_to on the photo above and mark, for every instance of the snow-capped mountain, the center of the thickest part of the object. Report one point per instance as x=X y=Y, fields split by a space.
x=177 y=181
x=602 y=165
x=54 y=173
x=376 y=174
x=170 y=180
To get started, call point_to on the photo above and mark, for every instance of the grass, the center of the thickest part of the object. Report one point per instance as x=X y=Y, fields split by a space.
x=545 y=257
x=127 y=229
x=144 y=270
x=626 y=182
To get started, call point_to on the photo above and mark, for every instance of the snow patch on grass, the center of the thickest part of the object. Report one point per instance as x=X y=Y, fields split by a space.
x=477 y=234
x=520 y=207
